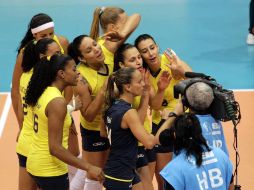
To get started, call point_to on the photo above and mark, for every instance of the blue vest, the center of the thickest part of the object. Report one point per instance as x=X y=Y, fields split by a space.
x=122 y=158
x=213 y=132
x=214 y=173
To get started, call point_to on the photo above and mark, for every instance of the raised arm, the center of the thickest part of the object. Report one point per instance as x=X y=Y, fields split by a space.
x=157 y=99
x=116 y=38
x=144 y=101
x=178 y=67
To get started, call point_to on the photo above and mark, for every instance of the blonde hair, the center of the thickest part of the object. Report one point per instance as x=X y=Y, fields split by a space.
x=103 y=16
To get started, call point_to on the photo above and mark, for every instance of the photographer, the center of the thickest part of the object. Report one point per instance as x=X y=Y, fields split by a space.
x=199 y=97
x=195 y=164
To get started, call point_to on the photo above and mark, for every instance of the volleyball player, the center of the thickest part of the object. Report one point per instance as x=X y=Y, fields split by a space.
x=94 y=71
x=128 y=56
x=114 y=21
x=157 y=63
x=40 y=26
x=124 y=129
x=51 y=124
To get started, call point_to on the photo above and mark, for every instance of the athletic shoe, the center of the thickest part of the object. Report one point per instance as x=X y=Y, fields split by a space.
x=250 y=39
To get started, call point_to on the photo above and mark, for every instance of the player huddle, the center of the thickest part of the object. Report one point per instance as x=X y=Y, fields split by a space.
x=124 y=95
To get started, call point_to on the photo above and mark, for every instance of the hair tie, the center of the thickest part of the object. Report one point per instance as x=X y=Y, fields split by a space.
x=34 y=42
x=101 y=11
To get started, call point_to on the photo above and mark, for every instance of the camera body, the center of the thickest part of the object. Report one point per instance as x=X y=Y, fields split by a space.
x=223 y=107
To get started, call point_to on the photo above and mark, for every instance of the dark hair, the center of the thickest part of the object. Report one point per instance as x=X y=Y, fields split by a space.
x=36 y=21
x=45 y=72
x=74 y=48
x=119 y=57
x=32 y=52
x=186 y=134
x=102 y=17
x=138 y=40
x=119 y=78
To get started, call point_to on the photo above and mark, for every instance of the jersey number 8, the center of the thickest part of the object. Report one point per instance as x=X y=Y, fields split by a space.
x=35 y=123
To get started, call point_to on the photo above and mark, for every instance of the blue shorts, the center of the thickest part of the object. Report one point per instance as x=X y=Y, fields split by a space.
x=160 y=148
x=151 y=155
x=92 y=141
x=141 y=157
x=111 y=184
x=52 y=183
x=22 y=160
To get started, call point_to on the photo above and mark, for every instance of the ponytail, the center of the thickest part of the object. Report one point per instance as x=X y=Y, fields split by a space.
x=30 y=56
x=110 y=95
x=39 y=81
x=102 y=17
x=115 y=85
x=44 y=74
x=33 y=51
x=188 y=137
x=95 y=27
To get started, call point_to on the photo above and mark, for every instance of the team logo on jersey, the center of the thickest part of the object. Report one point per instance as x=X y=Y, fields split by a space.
x=98 y=144
x=141 y=155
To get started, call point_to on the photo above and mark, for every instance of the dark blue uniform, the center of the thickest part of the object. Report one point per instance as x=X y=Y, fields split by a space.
x=120 y=166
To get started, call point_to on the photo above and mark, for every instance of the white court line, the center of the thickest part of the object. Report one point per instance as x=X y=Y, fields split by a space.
x=5 y=113
x=243 y=90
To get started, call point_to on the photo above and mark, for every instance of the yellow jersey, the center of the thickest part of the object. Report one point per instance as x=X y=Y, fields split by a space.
x=57 y=41
x=25 y=136
x=169 y=102
x=95 y=81
x=147 y=124
x=26 y=133
x=109 y=56
x=39 y=161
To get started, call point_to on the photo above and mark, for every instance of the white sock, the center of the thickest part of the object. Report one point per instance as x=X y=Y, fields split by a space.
x=72 y=170
x=92 y=185
x=78 y=181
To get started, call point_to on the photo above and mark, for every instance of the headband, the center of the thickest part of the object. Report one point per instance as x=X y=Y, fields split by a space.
x=42 y=27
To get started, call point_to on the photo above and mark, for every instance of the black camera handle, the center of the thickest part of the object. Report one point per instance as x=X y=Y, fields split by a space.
x=235 y=116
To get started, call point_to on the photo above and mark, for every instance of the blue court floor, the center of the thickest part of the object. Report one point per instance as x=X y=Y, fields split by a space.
x=209 y=35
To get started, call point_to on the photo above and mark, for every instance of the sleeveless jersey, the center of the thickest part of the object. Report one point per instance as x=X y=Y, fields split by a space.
x=122 y=158
x=26 y=134
x=96 y=81
x=40 y=162
x=214 y=173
